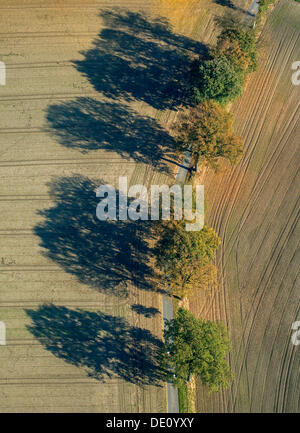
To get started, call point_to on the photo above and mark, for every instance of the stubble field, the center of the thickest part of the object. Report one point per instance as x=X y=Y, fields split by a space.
x=66 y=279
x=255 y=209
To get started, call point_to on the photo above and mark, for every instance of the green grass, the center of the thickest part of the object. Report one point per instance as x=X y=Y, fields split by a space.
x=184 y=399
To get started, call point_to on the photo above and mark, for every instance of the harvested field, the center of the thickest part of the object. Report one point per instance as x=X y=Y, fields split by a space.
x=255 y=209
x=63 y=276
x=51 y=162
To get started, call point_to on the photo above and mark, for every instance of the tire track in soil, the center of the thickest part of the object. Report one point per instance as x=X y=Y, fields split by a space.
x=260 y=97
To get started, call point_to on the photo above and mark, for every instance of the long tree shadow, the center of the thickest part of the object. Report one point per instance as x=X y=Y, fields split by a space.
x=232 y=6
x=88 y=124
x=141 y=58
x=105 y=346
x=105 y=255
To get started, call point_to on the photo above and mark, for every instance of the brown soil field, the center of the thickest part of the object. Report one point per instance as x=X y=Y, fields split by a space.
x=72 y=64
x=64 y=59
x=255 y=209
x=49 y=267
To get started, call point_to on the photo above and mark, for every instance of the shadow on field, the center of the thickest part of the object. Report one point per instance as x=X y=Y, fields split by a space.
x=226 y=3
x=105 y=346
x=136 y=57
x=145 y=311
x=231 y=5
x=105 y=255
x=87 y=124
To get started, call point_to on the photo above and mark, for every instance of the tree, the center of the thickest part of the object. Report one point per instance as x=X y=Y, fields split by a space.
x=198 y=347
x=184 y=258
x=233 y=52
x=239 y=46
x=217 y=79
x=207 y=131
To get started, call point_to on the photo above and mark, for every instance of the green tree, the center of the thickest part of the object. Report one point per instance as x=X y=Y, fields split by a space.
x=239 y=46
x=198 y=347
x=207 y=131
x=184 y=258
x=217 y=79
x=265 y=4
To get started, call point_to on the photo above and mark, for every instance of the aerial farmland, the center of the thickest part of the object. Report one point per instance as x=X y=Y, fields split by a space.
x=92 y=90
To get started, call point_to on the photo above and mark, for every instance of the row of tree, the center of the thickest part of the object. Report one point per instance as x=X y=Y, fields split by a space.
x=222 y=76
x=207 y=128
x=186 y=258
x=192 y=346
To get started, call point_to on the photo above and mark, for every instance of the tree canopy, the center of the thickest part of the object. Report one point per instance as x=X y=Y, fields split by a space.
x=239 y=46
x=217 y=79
x=184 y=257
x=198 y=347
x=222 y=76
x=207 y=131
